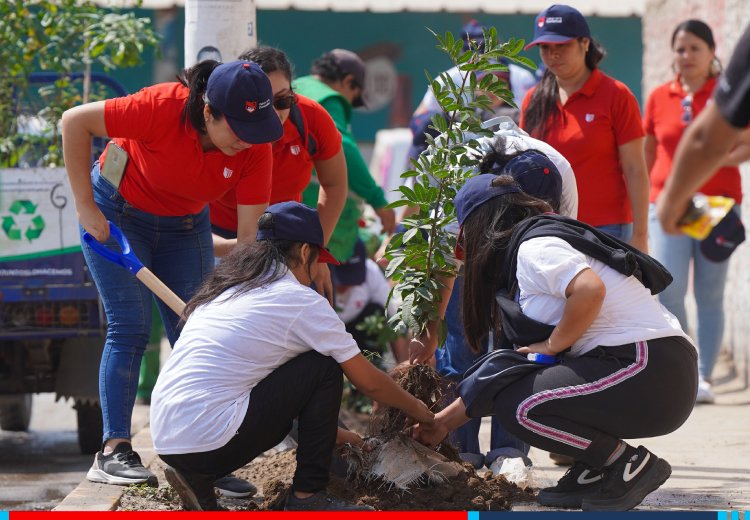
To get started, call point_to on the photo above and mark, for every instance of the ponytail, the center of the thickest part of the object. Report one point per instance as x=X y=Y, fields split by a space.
x=196 y=80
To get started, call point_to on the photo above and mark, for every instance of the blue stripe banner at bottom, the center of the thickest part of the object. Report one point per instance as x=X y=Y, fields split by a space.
x=4 y=515
x=473 y=515
x=730 y=515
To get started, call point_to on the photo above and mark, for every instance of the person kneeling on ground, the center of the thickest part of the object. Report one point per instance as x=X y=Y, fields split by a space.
x=260 y=348
x=621 y=365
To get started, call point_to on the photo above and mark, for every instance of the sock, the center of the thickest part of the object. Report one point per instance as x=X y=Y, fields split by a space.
x=616 y=454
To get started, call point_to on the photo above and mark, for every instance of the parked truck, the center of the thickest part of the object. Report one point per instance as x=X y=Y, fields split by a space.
x=52 y=325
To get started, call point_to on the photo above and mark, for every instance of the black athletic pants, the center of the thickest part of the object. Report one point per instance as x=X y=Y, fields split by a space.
x=307 y=387
x=583 y=406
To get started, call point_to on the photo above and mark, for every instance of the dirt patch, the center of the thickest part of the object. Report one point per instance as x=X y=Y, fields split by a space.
x=272 y=475
x=462 y=489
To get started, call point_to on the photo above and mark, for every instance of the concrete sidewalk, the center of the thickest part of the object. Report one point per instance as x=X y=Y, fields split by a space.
x=709 y=455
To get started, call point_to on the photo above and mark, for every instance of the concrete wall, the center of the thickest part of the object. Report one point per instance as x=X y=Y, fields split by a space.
x=727 y=18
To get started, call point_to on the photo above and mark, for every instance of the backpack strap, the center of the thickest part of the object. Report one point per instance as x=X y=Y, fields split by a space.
x=295 y=115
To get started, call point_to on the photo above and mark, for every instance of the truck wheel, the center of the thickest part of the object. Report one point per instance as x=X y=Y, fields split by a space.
x=15 y=412
x=90 y=426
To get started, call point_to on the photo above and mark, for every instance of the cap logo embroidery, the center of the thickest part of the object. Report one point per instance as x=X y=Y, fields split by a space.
x=227 y=173
x=264 y=104
x=555 y=19
x=294 y=149
x=589 y=117
x=540 y=22
x=251 y=106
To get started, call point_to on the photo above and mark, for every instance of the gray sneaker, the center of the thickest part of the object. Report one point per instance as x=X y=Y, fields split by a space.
x=234 y=487
x=320 y=501
x=121 y=467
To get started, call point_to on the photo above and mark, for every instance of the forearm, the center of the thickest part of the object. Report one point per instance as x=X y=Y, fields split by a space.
x=702 y=150
x=333 y=190
x=77 y=155
x=636 y=182
x=453 y=416
x=223 y=246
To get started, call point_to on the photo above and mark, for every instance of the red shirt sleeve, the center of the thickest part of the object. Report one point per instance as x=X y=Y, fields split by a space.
x=626 y=115
x=254 y=186
x=134 y=116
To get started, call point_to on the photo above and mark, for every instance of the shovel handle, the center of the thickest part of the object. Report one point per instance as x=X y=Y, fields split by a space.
x=130 y=261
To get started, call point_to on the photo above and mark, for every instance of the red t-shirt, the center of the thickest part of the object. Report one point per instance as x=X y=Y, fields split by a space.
x=663 y=120
x=292 y=162
x=168 y=173
x=594 y=121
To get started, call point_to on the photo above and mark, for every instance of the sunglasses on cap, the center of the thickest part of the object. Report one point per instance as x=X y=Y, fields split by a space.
x=458 y=251
x=284 y=102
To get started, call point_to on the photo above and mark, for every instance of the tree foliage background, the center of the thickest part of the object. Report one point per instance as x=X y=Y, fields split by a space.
x=66 y=37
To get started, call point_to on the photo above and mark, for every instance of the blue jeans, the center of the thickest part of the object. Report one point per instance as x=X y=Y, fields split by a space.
x=179 y=251
x=677 y=252
x=622 y=231
x=452 y=361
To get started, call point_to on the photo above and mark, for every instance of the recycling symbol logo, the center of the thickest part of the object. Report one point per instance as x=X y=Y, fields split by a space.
x=22 y=210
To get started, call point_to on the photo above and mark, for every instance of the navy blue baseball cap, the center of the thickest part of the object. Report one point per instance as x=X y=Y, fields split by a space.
x=559 y=24
x=536 y=173
x=242 y=92
x=296 y=222
x=476 y=192
x=353 y=271
x=724 y=238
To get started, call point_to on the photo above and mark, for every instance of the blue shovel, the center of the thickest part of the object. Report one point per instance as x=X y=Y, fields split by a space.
x=129 y=261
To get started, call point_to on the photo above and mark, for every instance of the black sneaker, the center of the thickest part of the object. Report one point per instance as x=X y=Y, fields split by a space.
x=122 y=467
x=626 y=483
x=320 y=501
x=234 y=487
x=579 y=482
x=195 y=491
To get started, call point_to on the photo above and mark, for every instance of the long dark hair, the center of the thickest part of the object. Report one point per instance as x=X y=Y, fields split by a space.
x=269 y=59
x=250 y=266
x=498 y=156
x=486 y=234
x=195 y=79
x=699 y=29
x=542 y=112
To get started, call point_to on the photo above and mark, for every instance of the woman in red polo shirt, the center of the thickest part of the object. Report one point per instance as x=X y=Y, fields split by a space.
x=310 y=140
x=175 y=147
x=670 y=109
x=594 y=121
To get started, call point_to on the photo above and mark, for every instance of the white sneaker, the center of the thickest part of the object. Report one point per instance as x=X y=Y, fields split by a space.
x=705 y=395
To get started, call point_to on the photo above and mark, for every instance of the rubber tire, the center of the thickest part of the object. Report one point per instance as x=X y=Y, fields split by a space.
x=90 y=426
x=15 y=412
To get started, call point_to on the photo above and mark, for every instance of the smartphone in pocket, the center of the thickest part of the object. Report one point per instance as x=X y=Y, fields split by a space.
x=114 y=164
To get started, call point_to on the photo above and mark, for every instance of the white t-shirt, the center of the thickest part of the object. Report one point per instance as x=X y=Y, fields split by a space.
x=229 y=346
x=374 y=289
x=521 y=81
x=630 y=313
